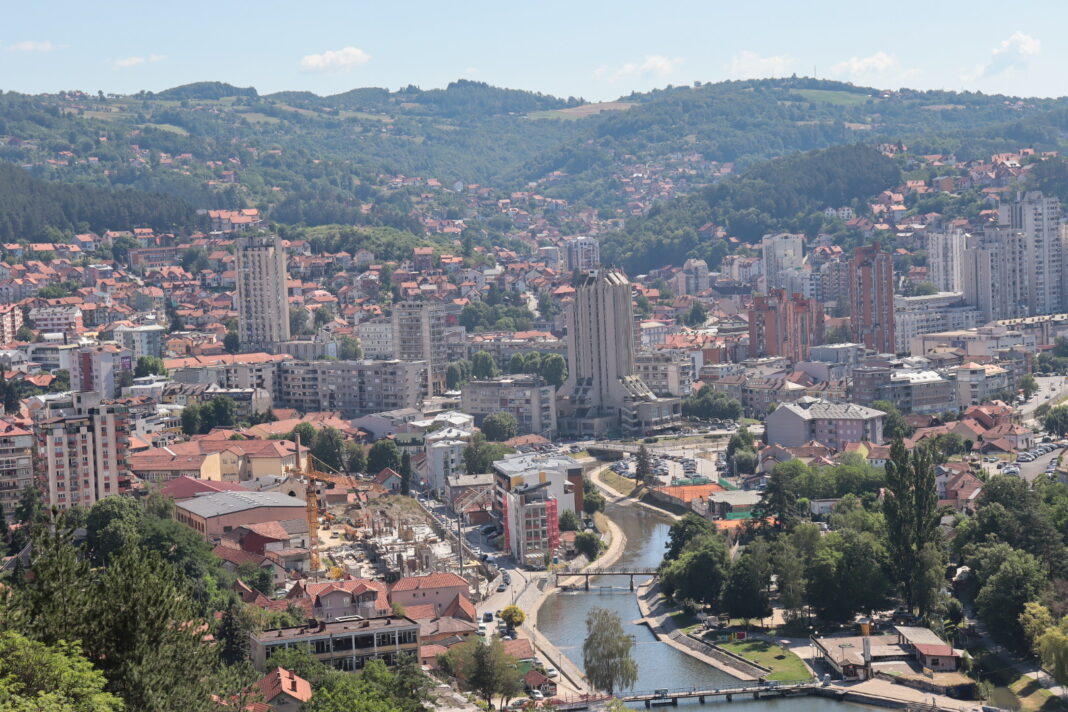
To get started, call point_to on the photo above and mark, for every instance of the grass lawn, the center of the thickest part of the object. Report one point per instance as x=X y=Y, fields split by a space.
x=621 y=484
x=1030 y=695
x=841 y=98
x=784 y=664
x=683 y=620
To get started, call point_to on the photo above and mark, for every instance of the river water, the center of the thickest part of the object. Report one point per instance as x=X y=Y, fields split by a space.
x=562 y=619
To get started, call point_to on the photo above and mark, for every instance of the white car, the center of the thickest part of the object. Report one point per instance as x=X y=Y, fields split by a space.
x=551 y=672
x=536 y=695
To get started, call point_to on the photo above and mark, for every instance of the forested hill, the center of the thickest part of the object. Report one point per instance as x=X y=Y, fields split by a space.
x=787 y=194
x=310 y=159
x=28 y=206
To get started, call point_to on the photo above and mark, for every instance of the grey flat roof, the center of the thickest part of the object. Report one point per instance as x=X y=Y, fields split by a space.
x=214 y=505
x=518 y=464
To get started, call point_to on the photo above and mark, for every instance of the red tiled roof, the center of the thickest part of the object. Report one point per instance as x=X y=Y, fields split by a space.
x=280 y=681
x=438 y=580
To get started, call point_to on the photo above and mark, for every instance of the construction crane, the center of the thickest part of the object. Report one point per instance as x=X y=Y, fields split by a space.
x=460 y=505
x=308 y=469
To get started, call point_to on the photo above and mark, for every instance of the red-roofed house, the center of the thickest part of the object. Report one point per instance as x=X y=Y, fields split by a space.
x=347 y=597
x=284 y=691
x=438 y=590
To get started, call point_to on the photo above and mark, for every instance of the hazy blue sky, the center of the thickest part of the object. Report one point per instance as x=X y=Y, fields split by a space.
x=598 y=50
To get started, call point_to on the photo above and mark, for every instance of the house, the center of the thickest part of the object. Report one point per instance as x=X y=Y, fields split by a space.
x=284 y=691
x=439 y=590
x=535 y=680
x=233 y=558
x=389 y=479
x=350 y=596
x=929 y=650
x=833 y=424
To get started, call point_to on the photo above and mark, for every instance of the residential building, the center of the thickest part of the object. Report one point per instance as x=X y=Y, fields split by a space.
x=781 y=252
x=354 y=388
x=979 y=383
x=531 y=518
x=262 y=304
x=603 y=393
x=871 y=298
x=910 y=390
x=1038 y=218
x=252 y=370
x=84 y=451
x=528 y=398
x=583 y=253
x=994 y=276
x=10 y=322
x=784 y=326
x=943 y=311
x=345 y=644
x=333 y=600
x=376 y=338
x=100 y=369
x=945 y=260
x=444 y=456
x=439 y=590
x=419 y=335
x=63 y=319
x=141 y=341
x=561 y=473
x=830 y=424
x=284 y=691
x=16 y=465
x=668 y=374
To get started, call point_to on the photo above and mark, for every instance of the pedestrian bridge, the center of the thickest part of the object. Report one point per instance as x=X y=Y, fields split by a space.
x=758 y=691
x=610 y=571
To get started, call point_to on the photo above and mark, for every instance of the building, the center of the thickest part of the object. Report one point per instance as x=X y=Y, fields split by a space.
x=784 y=326
x=830 y=424
x=62 y=319
x=84 y=451
x=668 y=375
x=141 y=340
x=444 y=456
x=528 y=398
x=781 y=252
x=419 y=335
x=993 y=274
x=531 y=518
x=101 y=369
x=10 y=322
x=16 y=465
x=354 y=388
x=910 y=390
x=979 y=383
x=262 y=304
x=252 y=370
x=345 y=644
x=376 y=338
x=1038 y=219
x=562 y=476
x=213 y=515
x=943 y=311
x=603 y=394
x=438 y=590
x=583 y=253
x=284 y=691
x=332 y=600
x=871 y=298
x=945 y=260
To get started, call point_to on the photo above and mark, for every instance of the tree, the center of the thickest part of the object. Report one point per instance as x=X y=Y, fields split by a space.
x=305 y=432
x=685 y=530
x=349 y=349
x=745 y=592
x=847 y=575
x=258 y=577
x=588 y=544
x=553 y=369
x=910 y=508
x=593 y=502
x=480 y=455
x=483 y=366
x=789 y=567
x=895 y=427
x=191 y=419
x=149 y=365
x=384 y=453
x=233 y=635
x=500 y=426
x=513 y=616
x=745 y=462
x=1010 y=579
x=741 y=440
x=697 y=314
x=406 y=473
x=1056 y=420
x=114 y=523
x=50 y=678
x=606 y=652
x=328 y=447
x=232 y=342
x=490 y=670
x=223 y=412
x=1028 y=385
x=777 y=508
x=1035 y=621
x=699 y=572
x=1053 y=650
x=298 y=322
x=642 y=467
x=355 y=457
x=569 y=521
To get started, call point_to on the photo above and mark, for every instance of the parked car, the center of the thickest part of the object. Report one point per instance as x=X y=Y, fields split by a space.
x=551 y=672
x=487 y=616
x=536 y=695
x=502 y=587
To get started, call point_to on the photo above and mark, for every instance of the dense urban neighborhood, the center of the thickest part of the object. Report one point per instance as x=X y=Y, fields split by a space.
x=474 y=398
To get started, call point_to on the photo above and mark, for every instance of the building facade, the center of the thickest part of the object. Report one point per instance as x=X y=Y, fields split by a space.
x=784 y=326
x=16 y=465
x=871 y=298
x=262 y=304
x=100 y=369
x=354 y=388
x=345 y=644
x=830 y=424
x=528 y=398
x=945 y=260
x=419 y=335
x=583 y=253
x=781 y=252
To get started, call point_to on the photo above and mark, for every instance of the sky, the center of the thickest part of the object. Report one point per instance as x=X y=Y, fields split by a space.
x=598 y=50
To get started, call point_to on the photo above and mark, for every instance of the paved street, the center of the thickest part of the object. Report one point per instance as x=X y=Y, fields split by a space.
x=1049 y=388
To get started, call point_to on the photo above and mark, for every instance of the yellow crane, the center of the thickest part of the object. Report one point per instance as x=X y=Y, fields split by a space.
x=314 y=475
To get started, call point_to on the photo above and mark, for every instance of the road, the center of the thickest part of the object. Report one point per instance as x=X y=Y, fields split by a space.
x=1049 y=388
x=1031 y=471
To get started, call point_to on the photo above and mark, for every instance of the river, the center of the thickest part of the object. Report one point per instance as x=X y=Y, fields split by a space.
x=562 y=619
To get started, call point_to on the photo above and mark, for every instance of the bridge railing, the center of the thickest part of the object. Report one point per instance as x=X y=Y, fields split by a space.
x=721 y=689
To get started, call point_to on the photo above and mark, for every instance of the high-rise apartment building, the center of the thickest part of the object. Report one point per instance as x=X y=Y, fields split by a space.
x=1038 y=219
x=945 y=260
x=16 y=464
x=262 y=306
x=993 y=274
x=583 y=253
x=871 y=298
x=84 y=451
x=528 y=398
x=781 y=325
x=354 y=388
x=602 y=393
x=419 y=335
x=100 y=369
x=783 y=251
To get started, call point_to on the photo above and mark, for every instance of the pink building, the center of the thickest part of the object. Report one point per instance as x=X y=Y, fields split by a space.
x=438 y=590
x=216 y=514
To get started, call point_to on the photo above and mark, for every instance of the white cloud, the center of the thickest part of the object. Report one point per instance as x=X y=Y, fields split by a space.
x=127 y=62
x=656 y=65
x=31 y=46
x=878 y=63
x=344 y=58
x=1011 y=53
x=750 y=65
x=471 y=71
